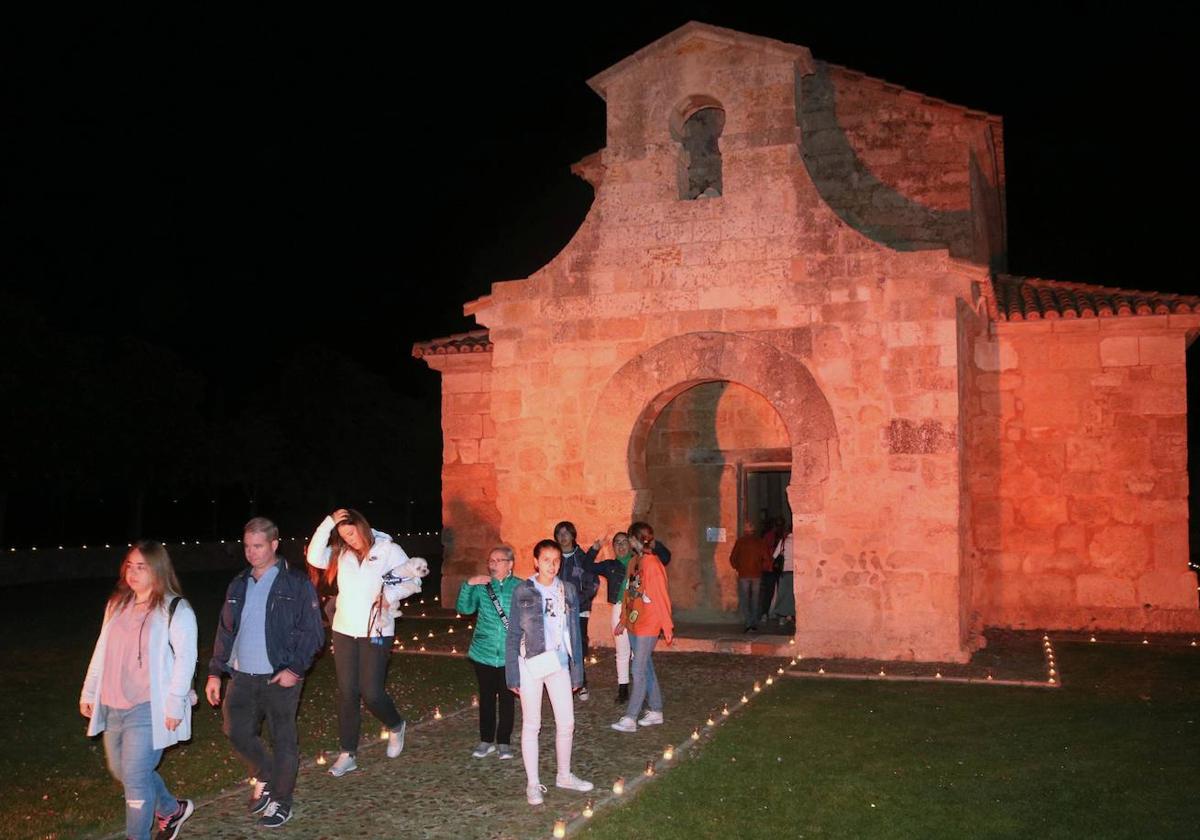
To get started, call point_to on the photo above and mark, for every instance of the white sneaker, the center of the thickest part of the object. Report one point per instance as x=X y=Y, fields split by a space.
x=533 y=794
x=625 y=724
x=573 y=782
x=484 y=749
x=344 y=764
x=396 y=740
x=651 y=719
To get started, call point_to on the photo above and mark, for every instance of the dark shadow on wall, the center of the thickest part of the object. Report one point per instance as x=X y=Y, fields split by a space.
x=859 y=198
x=684 y=467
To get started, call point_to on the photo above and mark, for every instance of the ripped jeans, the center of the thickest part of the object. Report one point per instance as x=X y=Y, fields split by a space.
x=129 y=748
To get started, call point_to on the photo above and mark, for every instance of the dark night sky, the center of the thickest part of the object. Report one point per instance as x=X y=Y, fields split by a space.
x=225 y=184
x=229 y=184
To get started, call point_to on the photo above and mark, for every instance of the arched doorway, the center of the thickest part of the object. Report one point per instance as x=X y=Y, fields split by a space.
x=717 y=456
x=766 y=377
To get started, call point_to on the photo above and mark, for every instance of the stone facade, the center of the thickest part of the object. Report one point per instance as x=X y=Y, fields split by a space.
x=834 y=309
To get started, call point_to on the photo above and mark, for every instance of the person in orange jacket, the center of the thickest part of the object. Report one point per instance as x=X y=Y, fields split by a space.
x=749 y=557
x=645 y=613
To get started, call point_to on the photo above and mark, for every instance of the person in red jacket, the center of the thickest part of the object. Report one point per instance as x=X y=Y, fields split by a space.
x=749 y=557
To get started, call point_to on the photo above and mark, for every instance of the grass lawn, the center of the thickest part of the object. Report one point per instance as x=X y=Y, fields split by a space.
x=1114 y=753
x=53 y=777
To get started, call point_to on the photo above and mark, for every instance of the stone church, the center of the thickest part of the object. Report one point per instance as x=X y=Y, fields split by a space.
x=788 y=299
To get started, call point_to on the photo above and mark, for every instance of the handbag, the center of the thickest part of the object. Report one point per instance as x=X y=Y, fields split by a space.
x=542 y=665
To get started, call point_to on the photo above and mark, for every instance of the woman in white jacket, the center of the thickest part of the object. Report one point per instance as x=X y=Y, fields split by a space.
x=138 y=689
x=373 y=575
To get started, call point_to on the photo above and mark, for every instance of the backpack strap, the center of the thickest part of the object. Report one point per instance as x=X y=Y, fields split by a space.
x=171 y=617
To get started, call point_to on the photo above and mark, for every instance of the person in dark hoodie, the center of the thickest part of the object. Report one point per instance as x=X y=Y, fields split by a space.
x=577 y=569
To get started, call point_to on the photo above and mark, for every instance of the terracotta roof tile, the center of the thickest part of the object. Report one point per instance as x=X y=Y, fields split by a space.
x=476 y=341
x=1034 y=299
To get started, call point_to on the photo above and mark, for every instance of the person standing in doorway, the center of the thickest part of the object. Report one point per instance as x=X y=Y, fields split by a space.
x=748 y=558
x=267 y=637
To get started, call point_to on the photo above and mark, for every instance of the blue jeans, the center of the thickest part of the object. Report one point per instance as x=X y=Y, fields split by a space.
x=748 y=600
x=129 y=748
x=645 y=681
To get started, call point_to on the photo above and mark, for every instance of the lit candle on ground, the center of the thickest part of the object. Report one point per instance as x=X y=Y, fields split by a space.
x=937 y=675
x=780 y=671
x=589 y=808
x=321 y=760
x=725 y=710
x=1145 y=641
x=1093 y=638
x=757 y=686
x=422 y=648
x=253 y=781
x=383 y=734
x=696 y=732
x=668 y=752
x=560 y=828
x=770 y=681
x=882 y=673
x=437 y=712
x=451 y=630
x=649 y=768
x=820 y=670
x=474 y=700
x=619 y=785
x=745 y=699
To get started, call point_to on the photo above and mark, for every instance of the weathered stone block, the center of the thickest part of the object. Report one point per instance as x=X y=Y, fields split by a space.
x=1104 y=591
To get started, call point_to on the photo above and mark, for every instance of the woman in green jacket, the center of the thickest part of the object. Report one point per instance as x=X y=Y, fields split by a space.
x=490 y=597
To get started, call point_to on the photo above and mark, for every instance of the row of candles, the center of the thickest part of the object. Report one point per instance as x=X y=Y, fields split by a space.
x=14 y=549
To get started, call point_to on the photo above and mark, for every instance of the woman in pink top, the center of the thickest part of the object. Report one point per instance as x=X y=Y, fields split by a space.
x=138 y=689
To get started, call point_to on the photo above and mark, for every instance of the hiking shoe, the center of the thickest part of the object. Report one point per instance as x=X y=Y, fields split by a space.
x=573 y=782
x=622 y=694
x=260 y=797
x=168 y=827
x=533 y=794
x=484 y=749
x=625 y=724
x=651 y=718
x=275 y=815
x=584 y=695
x=396 y=740
x=504 y=751
x=344 y=764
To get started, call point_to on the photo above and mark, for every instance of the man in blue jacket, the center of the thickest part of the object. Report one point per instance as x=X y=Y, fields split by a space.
x=268 y=634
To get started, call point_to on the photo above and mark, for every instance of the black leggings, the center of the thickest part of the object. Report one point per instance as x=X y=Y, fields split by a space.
x=361 y=675
x=493 y=692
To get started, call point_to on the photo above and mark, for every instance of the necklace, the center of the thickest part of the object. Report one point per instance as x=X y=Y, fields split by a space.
x=141 y=628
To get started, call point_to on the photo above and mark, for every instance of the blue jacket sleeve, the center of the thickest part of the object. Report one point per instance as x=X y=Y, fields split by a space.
x=664 y=553
x=226 y=632
x=311 y=633
x=512 y=645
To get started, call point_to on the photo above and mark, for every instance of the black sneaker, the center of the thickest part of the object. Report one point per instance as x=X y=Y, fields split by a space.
x=168 y=827
x=275 y=816
x=259 y=803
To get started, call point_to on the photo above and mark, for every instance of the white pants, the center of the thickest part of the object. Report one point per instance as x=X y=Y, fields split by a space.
x=558 y=686
x=621 y=643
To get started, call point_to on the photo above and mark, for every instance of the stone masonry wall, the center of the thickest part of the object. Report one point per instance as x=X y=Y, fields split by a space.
x=655 y=294
x=1080 y=481
x=470 y=518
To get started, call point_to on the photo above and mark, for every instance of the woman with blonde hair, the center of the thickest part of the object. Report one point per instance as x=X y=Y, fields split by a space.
x=138 y=688
x=373 y=574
